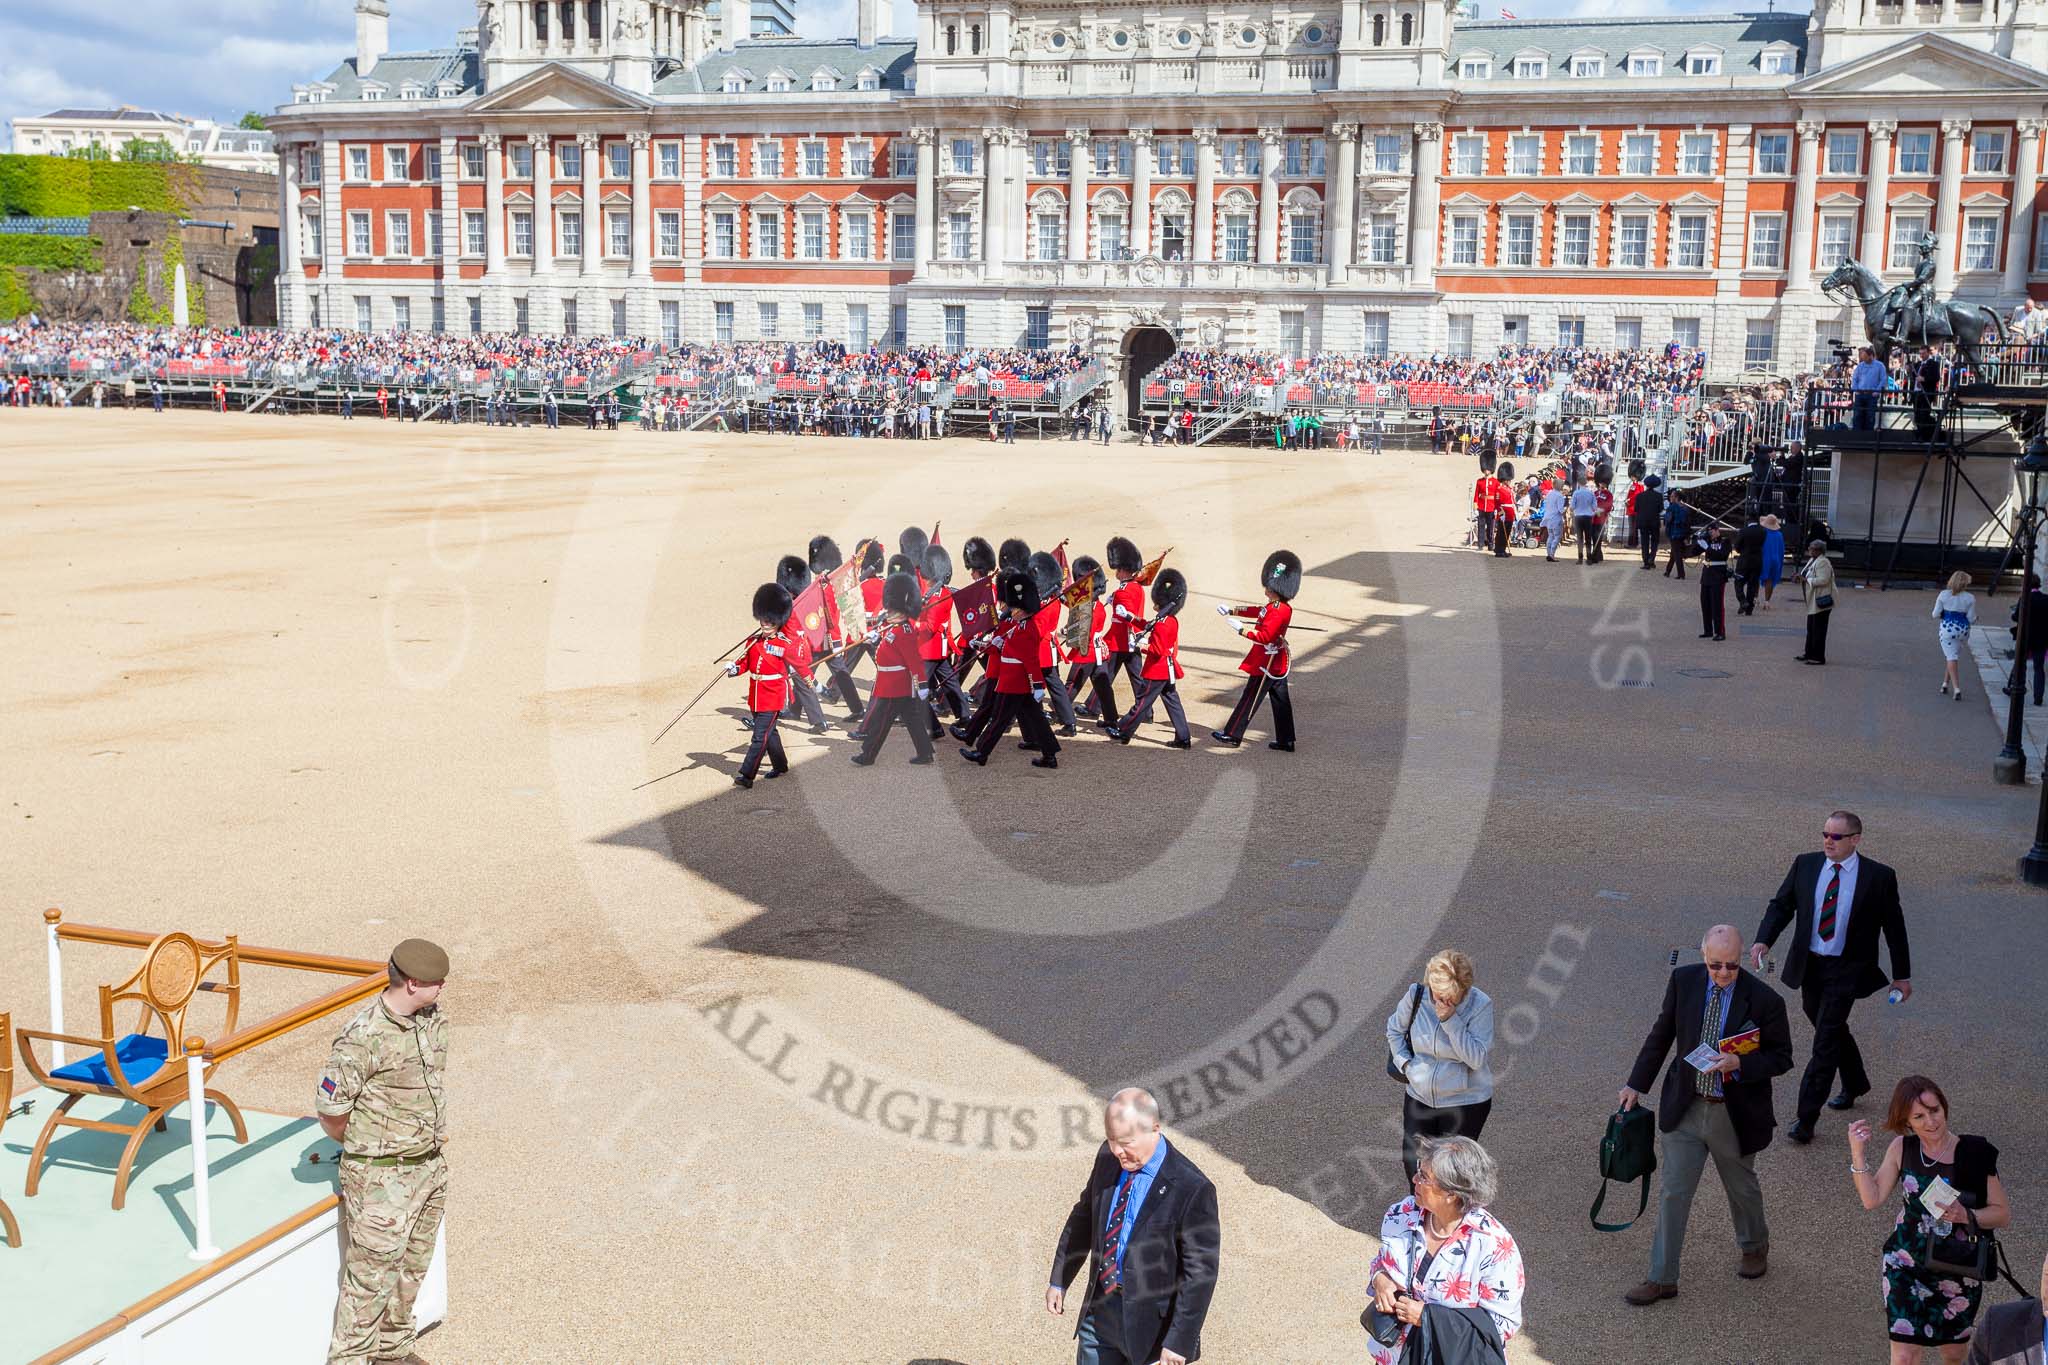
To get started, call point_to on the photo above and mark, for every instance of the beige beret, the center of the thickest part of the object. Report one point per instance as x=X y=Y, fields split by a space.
x=420 y=960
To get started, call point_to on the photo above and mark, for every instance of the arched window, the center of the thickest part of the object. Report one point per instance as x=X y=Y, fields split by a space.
x=952 y=39
x=1407 y=30
x=1379 y=30
x=974 y=38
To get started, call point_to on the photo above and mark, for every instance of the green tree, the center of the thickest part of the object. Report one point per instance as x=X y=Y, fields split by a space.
x=152 y=149
x=252 y=121
x=89 y=151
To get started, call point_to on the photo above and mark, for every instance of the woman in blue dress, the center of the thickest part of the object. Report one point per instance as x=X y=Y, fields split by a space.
x=1773 y=556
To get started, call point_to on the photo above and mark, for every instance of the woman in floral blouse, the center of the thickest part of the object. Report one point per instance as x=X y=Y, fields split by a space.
x=1441 y=1246
x=1924 y=1309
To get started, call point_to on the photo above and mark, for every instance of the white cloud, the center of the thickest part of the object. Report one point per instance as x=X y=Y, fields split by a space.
x=28 y=91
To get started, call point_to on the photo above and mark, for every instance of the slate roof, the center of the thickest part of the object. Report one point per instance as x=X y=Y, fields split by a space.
x=115 y=115
x=843 y=57
x=1741 y=38
x=428 y=68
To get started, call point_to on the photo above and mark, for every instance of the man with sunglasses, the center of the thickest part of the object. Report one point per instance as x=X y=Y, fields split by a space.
x=1722 y=1111
x=1836 y=903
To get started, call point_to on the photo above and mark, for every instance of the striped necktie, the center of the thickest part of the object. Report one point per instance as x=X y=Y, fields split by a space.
x=1710 y=1032
x=1113 y=1234
x=1827 y=905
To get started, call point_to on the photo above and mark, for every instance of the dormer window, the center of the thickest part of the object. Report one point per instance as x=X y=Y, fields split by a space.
x=412 y=90
x=374 y=91
x=778 y=83
x=1589 y=67
x=1702 y=63
x=1645 y=63
x=1474 y=68
x=1778 y=61
x=735 y=83
x=824 y=80
x=1531 y=68
x=869 y=79
x=445 y=90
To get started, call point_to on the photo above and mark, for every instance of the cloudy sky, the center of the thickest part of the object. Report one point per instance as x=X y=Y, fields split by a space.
x=220 y=58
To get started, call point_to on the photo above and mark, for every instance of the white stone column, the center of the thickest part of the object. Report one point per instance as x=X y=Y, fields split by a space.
x=1955 y=134
x=1876 y=192
x=927 y=197
x=1017 y=146
x=543 y=208
x=995 y=171
x=1079 y=149
x=1424 y=179
x=1205 y=194
x=1799 y=246
x=288 y=208
x=450 y=199
x=593 y=210
x=1270 y=142
x=1340 y=192
x=494 y=205
x=643 y=206
x=1141 y=191
x=2019 y=232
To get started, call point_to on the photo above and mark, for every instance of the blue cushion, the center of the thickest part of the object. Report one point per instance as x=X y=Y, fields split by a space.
x=141 y=1057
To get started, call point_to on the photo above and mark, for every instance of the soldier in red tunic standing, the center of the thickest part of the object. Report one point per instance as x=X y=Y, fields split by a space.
x=825 y=558
x=765 y=665
x=1046 y=577
x=936 y=641
x=1019 y=680
x=1126 y=609
x=1267 y=661
x=1085 y=661
x=793 y=575
x=899 y=670
x=1159 y=640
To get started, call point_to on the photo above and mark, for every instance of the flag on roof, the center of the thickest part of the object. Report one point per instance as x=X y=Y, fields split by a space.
x=1507 y=14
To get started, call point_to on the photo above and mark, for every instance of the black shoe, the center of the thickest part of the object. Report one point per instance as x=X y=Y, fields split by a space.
x=958 y=732
x=821 y=729
x=862 y=760
x=1800 y=1132
x=1799 y=658
x=774 y=773
x=1119 y=736
x=1719 y=636
x=739 y=781
x=1067 y=732
x=1845 y=1100
x=1706 y=635
x=972 y=757
x=920 y=762
x=1181 y=744
x=1045 y=762
x=1027 y=746
x=1817 y=663
x=1221 y=738
x=1283 y=748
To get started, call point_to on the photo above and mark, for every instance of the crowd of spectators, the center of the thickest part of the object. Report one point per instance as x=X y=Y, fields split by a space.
x=1638 y=375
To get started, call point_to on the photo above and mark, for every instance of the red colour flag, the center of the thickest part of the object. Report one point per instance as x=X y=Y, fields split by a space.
x=975 y=604
x=809 y=616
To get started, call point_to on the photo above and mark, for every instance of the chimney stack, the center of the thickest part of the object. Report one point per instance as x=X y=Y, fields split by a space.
x=373 y=34
x=872 y=21
x=735 y=18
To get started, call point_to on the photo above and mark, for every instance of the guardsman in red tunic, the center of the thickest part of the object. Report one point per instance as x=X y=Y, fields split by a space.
x=1046 y=577
x=1126 y=609
x=1019 y=680
x=1267 y=660
x=1160 y=642
x=1013 y=557
x=824 y=559
x=911 y=543
x=793 y=575
x=980 y=558
x=871 y=600
x=765 y=665
x=937 y=642
x=1485 y=498
x=899 y=672
x=1085 y=663
x=987 y=647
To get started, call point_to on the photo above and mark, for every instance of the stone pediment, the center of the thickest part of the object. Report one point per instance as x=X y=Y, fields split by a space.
x=556 y=88
x=1926 y=64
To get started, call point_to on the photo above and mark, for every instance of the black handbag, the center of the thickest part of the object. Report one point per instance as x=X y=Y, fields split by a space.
x=1826 y=601
x=1394 y=1068
x=1628 y=1151
x=1384 y=1328
x=1964 y=1252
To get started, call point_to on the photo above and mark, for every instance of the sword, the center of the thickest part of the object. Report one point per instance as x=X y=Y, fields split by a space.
x=744 y=639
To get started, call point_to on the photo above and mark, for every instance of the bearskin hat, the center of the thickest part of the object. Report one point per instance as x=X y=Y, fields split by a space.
x=871 y=559
x=938 y=566
x=1282 y=574
x=1169 y=592
x=913 y=542
x=978 y=555
x=899 y=593
x=1045 y=575
x=1088 y=570
x=1010 y=559
x=1504 y=471
x=1016 y=589
x=1123 y=556
x=772 y=605
x=902 y=564
x=793 y=574
x=824 y=555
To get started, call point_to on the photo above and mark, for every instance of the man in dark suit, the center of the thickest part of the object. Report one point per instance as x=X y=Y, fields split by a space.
x=1146 y=1226
x=1836 y=902
x=1749 y=566
x=1723 y=1111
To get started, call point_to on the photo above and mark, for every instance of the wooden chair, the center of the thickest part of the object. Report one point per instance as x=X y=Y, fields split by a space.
x=10 y=1231
x=140 y=1067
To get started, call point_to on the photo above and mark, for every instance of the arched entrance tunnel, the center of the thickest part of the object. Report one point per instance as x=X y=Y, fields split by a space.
x=1145 y=350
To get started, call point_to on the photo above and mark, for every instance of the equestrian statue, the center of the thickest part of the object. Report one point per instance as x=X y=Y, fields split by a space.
x=1908 y=314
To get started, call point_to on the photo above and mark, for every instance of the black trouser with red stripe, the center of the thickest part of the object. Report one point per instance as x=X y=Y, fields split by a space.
x=1257 y=687
x=1098 y=678
x=1127 y=661
x=943 y=682
x=1024 y=709
x=984 y=711
x=765 y=740
x=885 y=713
x=842 y=678
x=1153 y=690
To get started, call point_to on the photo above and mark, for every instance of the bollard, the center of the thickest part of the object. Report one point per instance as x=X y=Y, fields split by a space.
x=203 y=1248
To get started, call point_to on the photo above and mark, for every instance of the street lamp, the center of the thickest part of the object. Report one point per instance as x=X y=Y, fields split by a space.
x=2033 y=865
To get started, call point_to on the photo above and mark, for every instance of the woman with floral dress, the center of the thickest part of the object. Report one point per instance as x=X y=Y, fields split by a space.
x=1441 y=1246
x=1925 y=1310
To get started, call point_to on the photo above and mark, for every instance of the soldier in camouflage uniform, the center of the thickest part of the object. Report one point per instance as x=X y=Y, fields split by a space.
x=381 y=1098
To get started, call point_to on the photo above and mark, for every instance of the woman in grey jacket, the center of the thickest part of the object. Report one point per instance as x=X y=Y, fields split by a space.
x=1439 y=1037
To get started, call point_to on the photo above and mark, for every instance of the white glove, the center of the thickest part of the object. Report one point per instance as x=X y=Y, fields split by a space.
x=1038 y=695
x=1223 y=609
x=732 y=670
x=921 y=693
